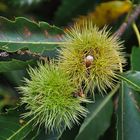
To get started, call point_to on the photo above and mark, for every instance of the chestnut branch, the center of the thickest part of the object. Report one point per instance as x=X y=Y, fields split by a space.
x=132 y=17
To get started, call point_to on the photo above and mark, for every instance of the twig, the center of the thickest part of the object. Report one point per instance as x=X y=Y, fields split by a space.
x=132 y=17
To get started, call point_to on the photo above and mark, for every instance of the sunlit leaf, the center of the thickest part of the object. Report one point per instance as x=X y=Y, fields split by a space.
x=106 y=12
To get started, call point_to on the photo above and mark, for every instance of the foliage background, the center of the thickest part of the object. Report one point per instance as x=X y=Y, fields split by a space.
x=109 y=119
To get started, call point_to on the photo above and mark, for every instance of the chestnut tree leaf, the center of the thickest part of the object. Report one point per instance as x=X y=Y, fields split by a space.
x=11 y=128
x=26 y=34
x=128 y=122
x=132 y=78
x=99 y=118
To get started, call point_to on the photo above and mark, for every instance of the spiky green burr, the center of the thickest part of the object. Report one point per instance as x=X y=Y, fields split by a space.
x=48 y=96
x=91 y=57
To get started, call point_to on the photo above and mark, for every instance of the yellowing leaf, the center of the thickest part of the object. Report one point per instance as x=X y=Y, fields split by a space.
x=3 y=7
x=107 y=12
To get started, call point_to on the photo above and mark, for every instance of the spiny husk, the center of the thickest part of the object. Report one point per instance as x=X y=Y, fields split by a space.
x=49 y=98
x=106 y=50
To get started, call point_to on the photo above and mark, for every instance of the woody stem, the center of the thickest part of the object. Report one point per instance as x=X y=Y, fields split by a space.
x=132 y=17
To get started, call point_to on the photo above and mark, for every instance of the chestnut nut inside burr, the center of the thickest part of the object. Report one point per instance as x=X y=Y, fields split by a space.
x=88 y=60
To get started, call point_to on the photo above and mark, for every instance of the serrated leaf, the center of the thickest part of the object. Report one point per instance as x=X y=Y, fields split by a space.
x=98 y=119
x=128 y=122
x=132 y=78
x=26 y=34
x=11 y=129
x=135 y=60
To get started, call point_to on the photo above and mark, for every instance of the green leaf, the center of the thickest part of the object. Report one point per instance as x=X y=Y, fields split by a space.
x=11 y=129
x=26 y=34
x=14 y=64
x=132 y=78
x=23 y=131
x=98 y=119
x=128 y=122
x=15 y=77
x=135 y=60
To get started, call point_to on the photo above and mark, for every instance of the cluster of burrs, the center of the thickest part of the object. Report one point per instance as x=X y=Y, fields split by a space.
x=89 y=58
